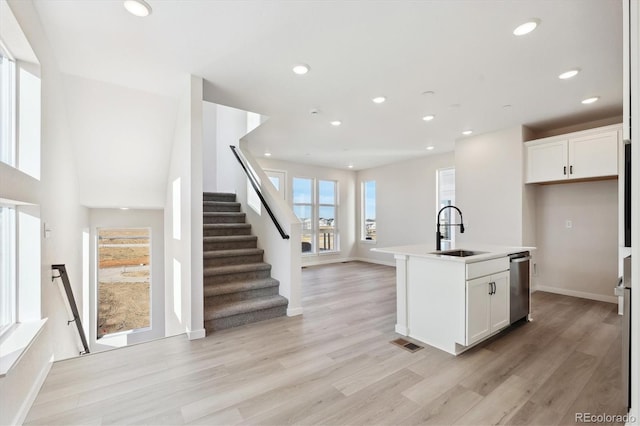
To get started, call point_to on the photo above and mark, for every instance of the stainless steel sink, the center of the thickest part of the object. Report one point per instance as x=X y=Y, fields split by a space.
x=458 y=253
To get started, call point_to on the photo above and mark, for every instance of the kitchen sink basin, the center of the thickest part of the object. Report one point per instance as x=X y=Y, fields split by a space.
x=458 y=253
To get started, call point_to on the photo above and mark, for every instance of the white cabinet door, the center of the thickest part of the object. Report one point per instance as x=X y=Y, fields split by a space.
x=478 y=310
x=500 y=301
x=547 y=162
x=594 y=155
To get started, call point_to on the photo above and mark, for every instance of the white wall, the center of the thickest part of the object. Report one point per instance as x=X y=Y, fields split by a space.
x=209 y=146
x=231 y=126
x=116 y=218
x=490 y=187
x=57 y=195
x=183 y=218
x=582 y=260
x=346 y=204
x=405 y=204
x=121 y=139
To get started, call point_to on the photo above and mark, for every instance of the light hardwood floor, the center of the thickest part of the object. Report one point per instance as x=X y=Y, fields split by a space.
x=334 y=365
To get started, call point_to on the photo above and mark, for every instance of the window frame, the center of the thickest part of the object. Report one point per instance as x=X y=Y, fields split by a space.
x=311 y=209
x=336 y=239
x=9 y=289
x=104 y=338
x=363 y=216
x=314 y=207
x=8 y=110
x=447 y=217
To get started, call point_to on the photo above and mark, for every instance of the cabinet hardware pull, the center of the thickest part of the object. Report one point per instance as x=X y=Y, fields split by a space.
x=570 y=170
x=490 y=289
x=494 y=287
x=564 y=170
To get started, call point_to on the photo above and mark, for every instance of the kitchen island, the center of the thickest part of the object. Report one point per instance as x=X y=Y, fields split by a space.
x=452 y=299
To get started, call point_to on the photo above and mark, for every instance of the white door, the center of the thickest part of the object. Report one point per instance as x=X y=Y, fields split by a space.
x=595 y=155
x=500 y=301
x=478 y=310
x=547 y=162
x=279 y=180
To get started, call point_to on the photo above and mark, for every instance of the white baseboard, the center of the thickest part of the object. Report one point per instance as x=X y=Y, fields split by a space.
x=21 y=415
x=196 y=334
x=574 y=293
x=401 y=329
x=294 y=312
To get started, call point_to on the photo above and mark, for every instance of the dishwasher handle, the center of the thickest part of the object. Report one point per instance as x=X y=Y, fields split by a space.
x=521 y=259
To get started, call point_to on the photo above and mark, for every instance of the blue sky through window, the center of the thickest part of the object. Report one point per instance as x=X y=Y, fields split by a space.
x=370 y=199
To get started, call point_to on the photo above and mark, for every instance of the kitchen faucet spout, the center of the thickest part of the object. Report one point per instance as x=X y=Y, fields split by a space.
x=438 y=225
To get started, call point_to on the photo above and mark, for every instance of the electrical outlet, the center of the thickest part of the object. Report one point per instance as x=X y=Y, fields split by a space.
x=568 y=224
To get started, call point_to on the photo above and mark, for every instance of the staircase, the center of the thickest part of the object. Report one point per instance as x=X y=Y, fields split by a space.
x=238 y=288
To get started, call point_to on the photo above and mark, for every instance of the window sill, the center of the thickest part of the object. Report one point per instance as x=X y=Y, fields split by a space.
x=16 y=343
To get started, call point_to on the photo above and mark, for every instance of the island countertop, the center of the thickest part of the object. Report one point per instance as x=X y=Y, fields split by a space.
x=486 y=251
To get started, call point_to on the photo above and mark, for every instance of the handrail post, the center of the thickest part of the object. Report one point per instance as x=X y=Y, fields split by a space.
x=62 y=270
x=254 y=184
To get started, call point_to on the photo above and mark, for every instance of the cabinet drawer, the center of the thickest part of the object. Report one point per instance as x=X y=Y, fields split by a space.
x=488 y=267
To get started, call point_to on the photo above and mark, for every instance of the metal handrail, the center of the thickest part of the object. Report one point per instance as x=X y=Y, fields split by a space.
x=62 y=270
x=256 y=187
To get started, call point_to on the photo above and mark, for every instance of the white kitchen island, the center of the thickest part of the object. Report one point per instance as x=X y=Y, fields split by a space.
x=451 y=302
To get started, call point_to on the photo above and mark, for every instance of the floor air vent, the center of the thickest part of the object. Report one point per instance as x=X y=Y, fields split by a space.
x=407 y=345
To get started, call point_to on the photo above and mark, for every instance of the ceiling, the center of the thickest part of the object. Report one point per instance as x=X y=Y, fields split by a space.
x=480 y=75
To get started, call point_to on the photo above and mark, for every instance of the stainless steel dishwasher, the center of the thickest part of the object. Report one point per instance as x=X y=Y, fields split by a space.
x=519 y=283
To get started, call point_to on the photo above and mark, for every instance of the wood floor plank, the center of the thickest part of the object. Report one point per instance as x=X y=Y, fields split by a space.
x=561 y=389
x=334 y=365
x=445 y=409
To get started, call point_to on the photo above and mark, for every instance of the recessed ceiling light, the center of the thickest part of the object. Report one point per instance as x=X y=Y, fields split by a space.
x=431 y=148
x=124 y=208
x=379 y=99
x=301 y=69
x=336 y=123
x=428 y=117
x=350 y=166
x=137 y=7
x=267 y=154
x=568 y=74
x=467 y=132
x=590 y=100
x=527 y=27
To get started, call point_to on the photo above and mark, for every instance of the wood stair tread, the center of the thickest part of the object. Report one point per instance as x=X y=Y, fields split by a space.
x=243 y=307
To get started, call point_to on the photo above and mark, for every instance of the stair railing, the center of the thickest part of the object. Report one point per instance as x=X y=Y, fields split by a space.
x=253 y=179
x=62 y=270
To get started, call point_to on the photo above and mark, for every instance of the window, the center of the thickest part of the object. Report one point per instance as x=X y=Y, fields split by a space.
x=7 y=109
x=327 y=196
x=7 y=268
x=369 y=211
x=303 y=208
x=315 y=203
x=124 y=278
x=446 y=190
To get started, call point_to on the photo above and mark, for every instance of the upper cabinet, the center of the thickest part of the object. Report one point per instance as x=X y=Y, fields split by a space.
x=581 y=155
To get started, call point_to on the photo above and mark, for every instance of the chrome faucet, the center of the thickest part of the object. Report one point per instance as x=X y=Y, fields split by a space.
x=438 y=225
